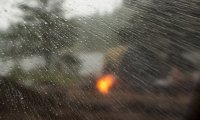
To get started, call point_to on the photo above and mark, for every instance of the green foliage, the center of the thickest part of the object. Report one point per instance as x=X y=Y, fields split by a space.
x=43 y=32
x=161 y=25
x=70 y=59
x=44 y=76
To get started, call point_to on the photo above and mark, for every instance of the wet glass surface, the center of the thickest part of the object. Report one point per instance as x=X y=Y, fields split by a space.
x=99 y=59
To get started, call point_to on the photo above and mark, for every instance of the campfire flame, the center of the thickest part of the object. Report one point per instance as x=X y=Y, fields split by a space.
x=105 y=83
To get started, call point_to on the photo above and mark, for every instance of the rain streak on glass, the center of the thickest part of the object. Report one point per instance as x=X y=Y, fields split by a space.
x=99 y=59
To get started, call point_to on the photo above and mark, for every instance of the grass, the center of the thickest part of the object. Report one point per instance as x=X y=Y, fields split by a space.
x=42 y=76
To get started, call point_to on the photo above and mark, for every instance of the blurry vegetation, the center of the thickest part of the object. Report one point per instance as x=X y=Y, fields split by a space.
x=44 y=32
x=164 y=30
x=162 y=25
x=42 y=76
x=157 y=36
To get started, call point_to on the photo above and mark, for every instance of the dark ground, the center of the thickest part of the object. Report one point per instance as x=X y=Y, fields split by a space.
x=75 y=103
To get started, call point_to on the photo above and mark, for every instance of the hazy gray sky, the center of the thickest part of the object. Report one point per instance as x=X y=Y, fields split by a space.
x=90 y=7
x=10 y=13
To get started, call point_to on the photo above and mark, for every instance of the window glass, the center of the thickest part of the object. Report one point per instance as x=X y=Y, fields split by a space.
x=99 y=59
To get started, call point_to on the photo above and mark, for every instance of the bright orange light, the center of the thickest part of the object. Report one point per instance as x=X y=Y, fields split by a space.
x=105 y=83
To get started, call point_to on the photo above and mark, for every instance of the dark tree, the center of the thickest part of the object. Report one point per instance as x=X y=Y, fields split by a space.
x=43 y=32
x=158 y=27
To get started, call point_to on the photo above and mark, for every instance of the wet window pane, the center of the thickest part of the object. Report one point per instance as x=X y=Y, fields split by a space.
x=99 y=59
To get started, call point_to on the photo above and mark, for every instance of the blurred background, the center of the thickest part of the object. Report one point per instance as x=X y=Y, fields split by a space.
x=98 y=59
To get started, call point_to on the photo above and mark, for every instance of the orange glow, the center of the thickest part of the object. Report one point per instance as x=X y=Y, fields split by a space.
x=105 y=83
